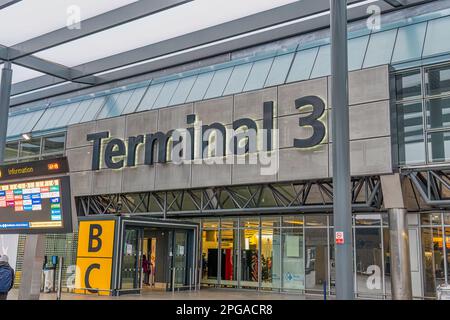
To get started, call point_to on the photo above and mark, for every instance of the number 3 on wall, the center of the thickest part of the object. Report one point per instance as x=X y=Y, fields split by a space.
x=319 y=129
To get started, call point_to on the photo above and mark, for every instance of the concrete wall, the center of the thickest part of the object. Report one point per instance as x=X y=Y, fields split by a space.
x=370 y=138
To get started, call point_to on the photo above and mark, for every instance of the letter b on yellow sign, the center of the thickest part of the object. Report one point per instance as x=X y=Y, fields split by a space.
x=94 y=256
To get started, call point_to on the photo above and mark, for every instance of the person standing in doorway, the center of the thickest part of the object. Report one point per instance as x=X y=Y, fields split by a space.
x=152 y=271
x=145 y=267
x=6 y=277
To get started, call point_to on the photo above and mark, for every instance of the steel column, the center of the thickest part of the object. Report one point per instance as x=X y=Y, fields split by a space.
x=341 y=152
x=5 y=93
x=401 y=286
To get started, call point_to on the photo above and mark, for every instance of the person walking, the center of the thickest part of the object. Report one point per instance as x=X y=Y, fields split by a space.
x=6 y=277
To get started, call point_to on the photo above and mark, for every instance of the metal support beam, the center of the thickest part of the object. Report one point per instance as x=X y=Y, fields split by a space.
x=107 y=20
x=401 y=286
x=7 y=3
x=5 y=93
x=341 y=150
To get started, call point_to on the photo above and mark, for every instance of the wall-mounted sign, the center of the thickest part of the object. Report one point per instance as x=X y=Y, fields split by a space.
x=35 y=205
x=340 y=237
x=195 y=141
x=94 y=257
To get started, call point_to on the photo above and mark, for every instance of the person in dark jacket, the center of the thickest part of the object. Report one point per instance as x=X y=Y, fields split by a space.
x=6 y=277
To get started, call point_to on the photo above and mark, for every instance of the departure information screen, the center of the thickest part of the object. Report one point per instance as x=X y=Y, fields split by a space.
x=39 y=205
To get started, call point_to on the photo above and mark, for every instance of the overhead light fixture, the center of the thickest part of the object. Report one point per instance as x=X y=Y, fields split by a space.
x=26 y=136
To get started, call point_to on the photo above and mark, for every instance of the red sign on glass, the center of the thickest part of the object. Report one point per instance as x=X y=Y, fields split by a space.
x=339 y=237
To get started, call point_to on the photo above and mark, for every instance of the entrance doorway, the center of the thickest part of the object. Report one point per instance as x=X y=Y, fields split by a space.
x=158 y=256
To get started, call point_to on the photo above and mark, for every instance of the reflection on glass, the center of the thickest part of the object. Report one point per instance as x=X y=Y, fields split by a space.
x=369 y=264
x=229 y=258
x=368 y=220
x=130 y=261
x=438 y=113
x=438 y=146
x=437 y=80
x=210 y=252
x=30 y=148
x=180 y=258
x=316 y=258
x=293 y=261
x=316 y=220
x=430 y=219
x=408 y=85
x=293 y=222
x=410 y=133
x=249 y=257
x=433 y=260
x=270 y=258
x=11 y=150
x=54 y=144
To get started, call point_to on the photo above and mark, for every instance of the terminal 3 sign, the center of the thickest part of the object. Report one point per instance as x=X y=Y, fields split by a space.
x=196 y=139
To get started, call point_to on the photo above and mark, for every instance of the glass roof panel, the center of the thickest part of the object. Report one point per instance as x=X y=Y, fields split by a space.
x=200 y=86
x=81 y=110
x=238 y=78
x=258 y=74
x=166 y=94
x=150 y=97
x=183 y=90
x=409 y=44
x=279 y=70
x=134 y=100
x=190 y=17
x=380 y=48
x=302 y=65
x=322 y=66
x=58 y=14
x=437 y=39
x=218 y=83
x=93 y=109
x=356 y=52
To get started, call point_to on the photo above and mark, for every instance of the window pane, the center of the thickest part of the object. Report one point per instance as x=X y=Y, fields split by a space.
x=438 y=113
x=30 y=148
x=270 y=258
x=210 y=224
x=210 y=255
x=439 y=146
x=316 y=258
x=432 y=259
x=409 y=43
x=54 y=144
x=183 y=90
x=316 y=220
x=237 y=79
x=258 y=75
x=356 y=50
x=249 y=257
x=369 y=266
x=293 y=222
x=229 y=223
x=200 y=86
x=249 y=222
x=410 y=133
x=368 y=220
x=293 y=261
x=437 y=37
x=279 y=70
x=438 y=80
x=230 y=254
x=322 y=66
x=430 y=219
x=218 y=83
x=11 y=150
x=28 y=125
x=166 y=94
x=380 y=48
x=408 y=85
x=302 y=65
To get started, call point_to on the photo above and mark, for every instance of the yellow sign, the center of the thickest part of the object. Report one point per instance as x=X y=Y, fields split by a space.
x=94 y=256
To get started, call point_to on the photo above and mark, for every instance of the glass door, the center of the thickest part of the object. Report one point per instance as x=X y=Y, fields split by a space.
x=180 y=254
x=131 y=262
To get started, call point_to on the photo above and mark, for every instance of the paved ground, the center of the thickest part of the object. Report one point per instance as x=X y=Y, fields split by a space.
x=204 y=294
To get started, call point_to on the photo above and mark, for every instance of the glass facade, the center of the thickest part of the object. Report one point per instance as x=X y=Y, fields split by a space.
x=37 y=148
x=423 y=115
x=292 y=253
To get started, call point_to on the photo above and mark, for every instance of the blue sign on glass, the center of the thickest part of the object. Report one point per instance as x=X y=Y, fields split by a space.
x=56 y=211
x=2 y=193
x=55 y=200
x=28 y=208
x=17 y=192
x=36 y=196
x=36 y=201
x=15 y=225
x=56 y=217
x=26 y=197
